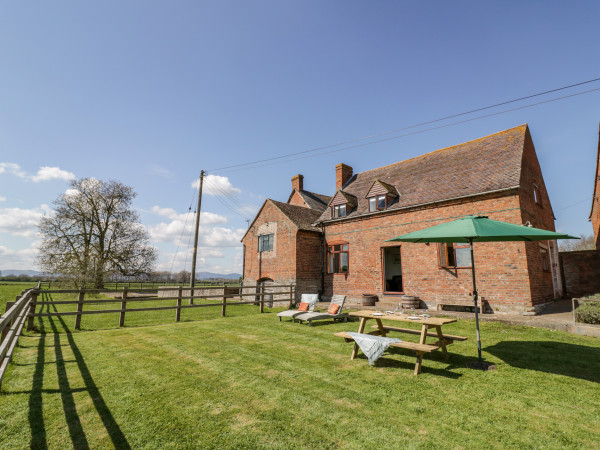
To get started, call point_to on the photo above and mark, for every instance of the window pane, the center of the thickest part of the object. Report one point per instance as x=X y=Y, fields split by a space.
x=381 y=202
x=372 y=204
x=344 y=262
x=342 y=210
x=344 y=247
x=463 y=257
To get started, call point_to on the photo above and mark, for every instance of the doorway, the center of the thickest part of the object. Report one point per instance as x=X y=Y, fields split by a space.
x=392 y=269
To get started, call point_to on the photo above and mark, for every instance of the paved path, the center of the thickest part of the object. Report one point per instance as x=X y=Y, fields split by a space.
x=556 y=316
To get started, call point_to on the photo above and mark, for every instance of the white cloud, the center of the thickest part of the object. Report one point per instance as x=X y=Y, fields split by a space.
x=2 y=199
x=161 y=171
x=19 y=259
x=222 y=237
x=206 y=218
x=47 y=173
x=22 y=222
x=217 y=185
x=72 y=192
x=13 y=169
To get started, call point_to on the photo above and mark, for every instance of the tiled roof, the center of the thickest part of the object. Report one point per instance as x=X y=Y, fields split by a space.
x=315 y=201
x=302 y=217
x=487 y=164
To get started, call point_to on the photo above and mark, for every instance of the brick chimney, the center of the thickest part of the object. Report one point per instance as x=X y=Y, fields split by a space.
x=342 y=174
x=298 y=182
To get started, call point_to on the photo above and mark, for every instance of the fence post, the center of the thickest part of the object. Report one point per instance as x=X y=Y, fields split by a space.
x=79 y=308
x=262 y=298
x=178 y=310
x=224 y=306
x=34 y=296
x=123 y=308
x=291 y=296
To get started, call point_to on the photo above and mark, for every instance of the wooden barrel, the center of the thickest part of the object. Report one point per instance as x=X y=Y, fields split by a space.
x=369 y=300
x=410 y=302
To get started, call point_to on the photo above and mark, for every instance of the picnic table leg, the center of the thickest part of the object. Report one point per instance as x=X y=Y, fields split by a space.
x=380 y=326
x=441 y=338
x=422 y=339
x=361 y=328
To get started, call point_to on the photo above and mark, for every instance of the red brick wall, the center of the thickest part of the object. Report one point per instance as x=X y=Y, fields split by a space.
x=581 y=272
x=297 y=200
x=502 y=276
x=540 y=216
x=595 y=215
x=308 y=262
x=278 y=264
x=296 y=255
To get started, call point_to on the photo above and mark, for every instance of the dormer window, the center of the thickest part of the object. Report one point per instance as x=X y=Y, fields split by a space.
x=377 y=203
x=380 y=195
x=338 y=211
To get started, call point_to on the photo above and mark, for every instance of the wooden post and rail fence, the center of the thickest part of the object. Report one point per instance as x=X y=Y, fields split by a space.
x=12 y=323
x=23 y=310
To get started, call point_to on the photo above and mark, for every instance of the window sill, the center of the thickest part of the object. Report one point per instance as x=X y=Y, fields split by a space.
x=394 y=293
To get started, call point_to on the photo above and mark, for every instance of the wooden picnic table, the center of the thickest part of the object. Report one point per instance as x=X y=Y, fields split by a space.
x=421 y=347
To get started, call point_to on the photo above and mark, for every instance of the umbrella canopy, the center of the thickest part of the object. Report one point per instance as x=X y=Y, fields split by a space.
x=479 y=229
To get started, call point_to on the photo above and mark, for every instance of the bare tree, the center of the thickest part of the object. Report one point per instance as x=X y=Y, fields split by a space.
x=572 y=245
x=94 y=232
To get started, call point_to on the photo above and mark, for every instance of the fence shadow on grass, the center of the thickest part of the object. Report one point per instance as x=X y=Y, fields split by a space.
x=560 y=358
x=36 y=417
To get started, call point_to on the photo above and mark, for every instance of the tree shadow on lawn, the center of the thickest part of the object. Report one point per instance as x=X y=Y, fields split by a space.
x=576 y=361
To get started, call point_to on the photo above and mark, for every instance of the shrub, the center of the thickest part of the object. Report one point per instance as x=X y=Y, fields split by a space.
x=588 y=312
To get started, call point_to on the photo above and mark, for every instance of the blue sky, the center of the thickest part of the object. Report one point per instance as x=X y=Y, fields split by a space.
x=152 y=92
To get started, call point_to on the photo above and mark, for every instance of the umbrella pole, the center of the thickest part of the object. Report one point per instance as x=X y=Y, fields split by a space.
x=475 y=296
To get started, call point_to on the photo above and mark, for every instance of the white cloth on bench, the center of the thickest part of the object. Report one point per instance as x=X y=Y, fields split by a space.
x=372 y=346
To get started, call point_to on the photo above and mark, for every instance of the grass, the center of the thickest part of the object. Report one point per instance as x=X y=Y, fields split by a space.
x=252 y=381
x=135 y=318
x=10 y=289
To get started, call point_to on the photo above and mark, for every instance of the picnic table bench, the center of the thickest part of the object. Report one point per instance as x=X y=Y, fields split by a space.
x=419 y=348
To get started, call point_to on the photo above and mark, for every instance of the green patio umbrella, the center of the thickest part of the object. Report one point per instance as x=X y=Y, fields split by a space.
x=479 y=229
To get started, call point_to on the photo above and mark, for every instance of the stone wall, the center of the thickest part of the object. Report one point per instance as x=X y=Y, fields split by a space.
x=581 y=272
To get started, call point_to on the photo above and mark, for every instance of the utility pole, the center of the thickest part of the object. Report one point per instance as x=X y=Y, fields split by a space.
x=193 y=274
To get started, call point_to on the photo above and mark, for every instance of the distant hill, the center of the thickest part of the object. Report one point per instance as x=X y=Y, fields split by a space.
x=199 y=275
x=229 y=276
x=12 y=272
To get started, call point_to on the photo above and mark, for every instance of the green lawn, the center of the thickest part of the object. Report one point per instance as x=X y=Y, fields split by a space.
x=251 y=381
x=9 y=291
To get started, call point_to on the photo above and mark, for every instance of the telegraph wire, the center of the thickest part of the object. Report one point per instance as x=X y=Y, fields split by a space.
x=397 y=130
x=575 y=204
x=257 y=165
x=195 y=193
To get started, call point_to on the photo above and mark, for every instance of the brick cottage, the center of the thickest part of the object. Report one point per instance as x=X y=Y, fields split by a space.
x=337 y=245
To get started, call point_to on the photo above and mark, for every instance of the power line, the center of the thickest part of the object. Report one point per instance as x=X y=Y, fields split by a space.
x=410 y=134
x=575 y=204
x=412 y=126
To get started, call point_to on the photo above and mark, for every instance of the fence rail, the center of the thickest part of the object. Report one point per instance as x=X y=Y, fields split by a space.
x=11 y=326
x=284 y=293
